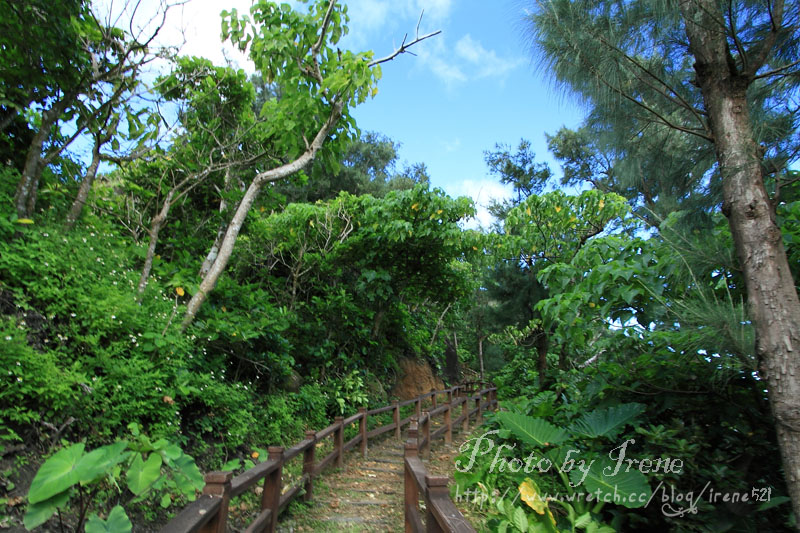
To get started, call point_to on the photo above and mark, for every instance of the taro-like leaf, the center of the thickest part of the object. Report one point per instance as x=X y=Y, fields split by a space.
x=117 y=522
x=534 y=431
x=40 y=512
x=607 y=422
x=623 y=486
x=142 y=474
x=57 y=474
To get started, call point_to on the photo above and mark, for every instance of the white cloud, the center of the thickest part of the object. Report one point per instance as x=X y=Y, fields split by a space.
x=486 y=62
x=482 y=193
x=434 y=56
x=451 y=146
x=371 y=17
x=467 y=61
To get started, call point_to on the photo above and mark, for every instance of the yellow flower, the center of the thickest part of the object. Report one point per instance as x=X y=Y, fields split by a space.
x=439 y=212
x=24 y=221
x=558 y=209
x=528 y=211
x=591 y=304
x=601 y=204
x=254 y=455
x=530 y=495
x=180 y=291
x=415 y=207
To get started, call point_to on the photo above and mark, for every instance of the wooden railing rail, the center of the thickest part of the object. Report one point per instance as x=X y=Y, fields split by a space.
x=209 y=513
x=441 y=515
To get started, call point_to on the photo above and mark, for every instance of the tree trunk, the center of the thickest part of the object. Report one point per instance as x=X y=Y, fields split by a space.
x=214 y=251
x=450 y=361
x=771 y=296
x=155 y=228
x=480 y=354
x=542 y=342
x=7 y=118
x=25 y=197
x=235 y=225
x=86 y=185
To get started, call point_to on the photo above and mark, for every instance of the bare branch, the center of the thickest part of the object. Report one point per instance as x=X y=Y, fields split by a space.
x=777 y=70
x=403 y=46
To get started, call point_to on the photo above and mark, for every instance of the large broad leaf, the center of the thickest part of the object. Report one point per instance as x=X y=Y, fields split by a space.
x=606 y=422
x=57 y=474
x=534 y=431
x=621 y=486
x=142 y=474
x=117 y=522
x=187 y=476
x=99 y=462
x=38 y=513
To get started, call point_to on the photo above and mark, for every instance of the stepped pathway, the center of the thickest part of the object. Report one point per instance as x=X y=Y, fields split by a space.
x=367 y=493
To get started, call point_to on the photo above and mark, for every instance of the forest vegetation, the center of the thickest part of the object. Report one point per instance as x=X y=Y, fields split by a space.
x=236 y=262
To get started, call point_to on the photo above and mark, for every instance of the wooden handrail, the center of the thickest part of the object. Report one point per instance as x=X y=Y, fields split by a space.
x=209 y=513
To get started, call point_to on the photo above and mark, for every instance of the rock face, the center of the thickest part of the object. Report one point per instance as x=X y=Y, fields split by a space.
x=416 y=377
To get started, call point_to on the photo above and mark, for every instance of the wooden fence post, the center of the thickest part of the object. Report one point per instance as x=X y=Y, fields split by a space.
x=435 y=487
x=411 y=499
x=434 y=400
x=419 y=407
x=425 y=449
x=271 y=497
x=448 y=421
x=479 y=416
x=465 y=413
x=397 y=432
x=309 y=460
x=218 y=484
x=338 y=440
x=362 y=428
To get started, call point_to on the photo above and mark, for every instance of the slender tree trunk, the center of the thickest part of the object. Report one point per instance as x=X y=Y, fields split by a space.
x=235 y=225
x=542 y=342
x=155 y=228
x=771 y=296
x=25 y=197
x=7 y=118
x=480 y=353
x=86 y=185
x=214 y=251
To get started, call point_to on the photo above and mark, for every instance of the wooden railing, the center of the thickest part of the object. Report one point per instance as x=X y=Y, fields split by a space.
x=209 y=513
x=441 y=515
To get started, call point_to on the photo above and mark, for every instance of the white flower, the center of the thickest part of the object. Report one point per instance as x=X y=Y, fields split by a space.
x=8 y=338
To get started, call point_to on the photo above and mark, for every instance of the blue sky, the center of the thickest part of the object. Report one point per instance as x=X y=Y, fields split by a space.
x=465 y=90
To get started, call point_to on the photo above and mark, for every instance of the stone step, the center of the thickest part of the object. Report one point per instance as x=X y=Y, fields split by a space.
x=340 y=503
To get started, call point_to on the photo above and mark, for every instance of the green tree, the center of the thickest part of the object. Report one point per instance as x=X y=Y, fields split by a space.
x=319 y=84
x=368 y=165
x=720 y=73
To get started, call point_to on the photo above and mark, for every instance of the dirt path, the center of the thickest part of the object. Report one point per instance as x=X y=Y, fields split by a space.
x=366 y=495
